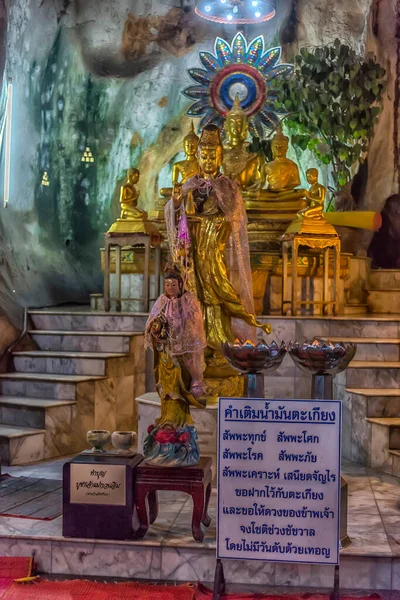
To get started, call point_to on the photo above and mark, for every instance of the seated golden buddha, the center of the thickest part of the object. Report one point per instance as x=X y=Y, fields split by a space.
x=283 y=177
x=187 y=168
x=239 y=164
x=311 y=220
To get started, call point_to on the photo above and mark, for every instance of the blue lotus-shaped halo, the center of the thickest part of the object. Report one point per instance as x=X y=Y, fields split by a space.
x=321 y=356
x=243 y=69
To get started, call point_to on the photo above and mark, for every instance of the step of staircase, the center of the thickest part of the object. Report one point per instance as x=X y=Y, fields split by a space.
x=376 y=349
x=355 y=309
x=52 y=320
x=386 y=301
x=84 y=341
x=21 y=445
x=43 y=385
x=69 y=363
x=371 y=374
x=29 y=412
x=375 y=402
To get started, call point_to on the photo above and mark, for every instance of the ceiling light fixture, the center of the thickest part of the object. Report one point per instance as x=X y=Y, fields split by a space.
x=236 y=12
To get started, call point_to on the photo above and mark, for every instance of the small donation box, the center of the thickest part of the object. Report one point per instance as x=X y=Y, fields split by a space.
x=279 y=480
x=98 y=496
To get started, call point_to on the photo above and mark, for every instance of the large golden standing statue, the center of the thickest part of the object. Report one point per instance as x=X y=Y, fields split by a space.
x=239 y=164
x=202 y=219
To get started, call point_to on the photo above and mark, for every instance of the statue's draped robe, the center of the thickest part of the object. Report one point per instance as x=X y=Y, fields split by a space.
x=220 y=215
x=180 y=361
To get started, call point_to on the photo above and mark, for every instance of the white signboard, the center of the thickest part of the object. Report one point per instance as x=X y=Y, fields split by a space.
x=279 y=480
x=98 y=484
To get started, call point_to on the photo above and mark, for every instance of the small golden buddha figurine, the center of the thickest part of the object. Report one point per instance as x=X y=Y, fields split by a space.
x=132 y=218
x=129 y=197
x=243 y=167
x=185 y=169
x=311 y=219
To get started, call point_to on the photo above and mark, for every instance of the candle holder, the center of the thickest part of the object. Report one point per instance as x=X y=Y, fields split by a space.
x=322 y=359
x=252 y=359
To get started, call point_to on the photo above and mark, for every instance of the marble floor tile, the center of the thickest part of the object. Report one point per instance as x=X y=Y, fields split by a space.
x=308 y=329
x=186 y=564
x=41 y=550
x=373 y=573
x=289 y=574
x=82 y=558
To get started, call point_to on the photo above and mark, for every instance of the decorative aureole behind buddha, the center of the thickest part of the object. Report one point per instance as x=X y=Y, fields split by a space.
x=239 y=164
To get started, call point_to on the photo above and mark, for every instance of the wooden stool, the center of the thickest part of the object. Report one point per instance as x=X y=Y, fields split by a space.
x=195 y=481
x=118 y=241
x=291 y=244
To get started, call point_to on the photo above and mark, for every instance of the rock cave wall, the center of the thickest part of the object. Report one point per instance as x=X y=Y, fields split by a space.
x=108 y=74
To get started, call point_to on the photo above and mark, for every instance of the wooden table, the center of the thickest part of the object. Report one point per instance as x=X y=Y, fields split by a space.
x=291 y=244
x=195 y=481
x=88 y=512
x=118 y=241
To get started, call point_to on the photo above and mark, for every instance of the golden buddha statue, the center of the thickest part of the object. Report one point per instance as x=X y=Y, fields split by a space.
x=239 y=164
x=132 y=219
x=282 y=176
x=311 y=220
x=203 y=233
x=184 y=169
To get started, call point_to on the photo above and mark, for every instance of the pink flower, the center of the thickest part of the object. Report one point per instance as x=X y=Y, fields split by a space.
x=150 y=428
x=165 y=436
x=184 y=437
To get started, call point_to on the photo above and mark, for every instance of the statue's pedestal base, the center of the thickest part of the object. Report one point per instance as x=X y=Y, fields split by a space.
x=133 y=226
x=205 y=421
x=308 y=226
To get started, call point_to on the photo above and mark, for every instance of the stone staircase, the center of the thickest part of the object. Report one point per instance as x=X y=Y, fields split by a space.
x=85 y=373
x=384 y=292
x=370 y=393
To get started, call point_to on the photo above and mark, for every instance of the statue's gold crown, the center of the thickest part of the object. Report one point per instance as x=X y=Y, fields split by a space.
x=279 y=136
x=237 y=109
x=191 y=135
x=210 y=136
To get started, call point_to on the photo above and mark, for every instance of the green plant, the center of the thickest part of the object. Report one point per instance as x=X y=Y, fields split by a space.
x=333 y=104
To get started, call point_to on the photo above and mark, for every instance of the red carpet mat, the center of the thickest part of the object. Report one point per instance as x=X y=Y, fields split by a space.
x=204 y=593
x=90 y=590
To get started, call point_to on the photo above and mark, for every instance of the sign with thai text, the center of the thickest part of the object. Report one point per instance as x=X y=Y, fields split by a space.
x=279 y=480
x=98 y=484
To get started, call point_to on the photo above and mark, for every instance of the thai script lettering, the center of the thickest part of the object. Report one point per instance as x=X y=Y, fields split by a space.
x=323 y=477
x=244 y=437
x=261 y=510
x=303 y=438
x=276 y=547
x=265 y=529
x=280 y=492
x=246 y=455
x=245 y=474
x=316 y=415
x=113 y=485
x=290 y=457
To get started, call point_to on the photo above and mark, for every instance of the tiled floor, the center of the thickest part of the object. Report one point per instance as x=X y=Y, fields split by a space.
x=373 y=523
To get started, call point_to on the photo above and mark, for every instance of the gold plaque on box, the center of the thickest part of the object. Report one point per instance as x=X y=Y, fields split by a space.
x=98 y=484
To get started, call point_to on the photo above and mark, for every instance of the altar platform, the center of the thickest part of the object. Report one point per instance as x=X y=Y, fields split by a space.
x=169 y=553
